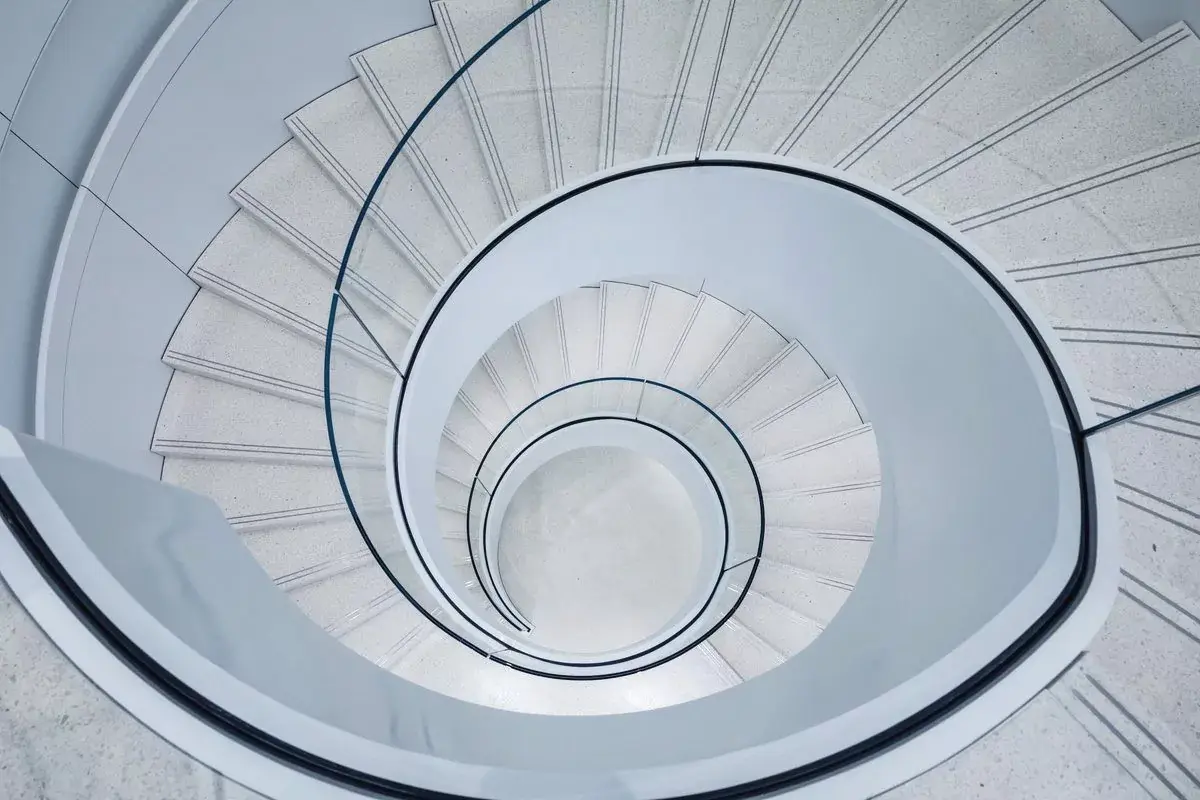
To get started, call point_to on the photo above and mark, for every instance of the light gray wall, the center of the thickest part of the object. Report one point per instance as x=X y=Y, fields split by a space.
x=207 y=113
x=34 y=202
x=1148 y=17
x=92 y=53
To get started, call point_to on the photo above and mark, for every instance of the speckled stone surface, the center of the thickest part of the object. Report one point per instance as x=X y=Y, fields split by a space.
x=1066 y=763
x=644 y=46
x=1142 y=102
x=790 y=68
x=501 y=95
x=569 y=42
x=290 y=193
x=725 y=40
x=343 y=132
x=61 y=738
x=752 y=347
x=401 y=75
x=884 y=65
x=667 y=312
x=1044 y=44
x=826 y=411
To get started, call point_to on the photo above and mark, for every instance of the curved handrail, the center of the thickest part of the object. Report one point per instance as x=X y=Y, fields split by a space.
x=1074 y=588
x=515 y=420
x=725 y=565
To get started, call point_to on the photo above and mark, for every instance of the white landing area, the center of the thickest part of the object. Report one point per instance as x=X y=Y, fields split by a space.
x=599 y=549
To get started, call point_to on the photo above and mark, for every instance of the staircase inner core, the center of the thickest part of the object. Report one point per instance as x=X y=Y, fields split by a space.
x=599 y=549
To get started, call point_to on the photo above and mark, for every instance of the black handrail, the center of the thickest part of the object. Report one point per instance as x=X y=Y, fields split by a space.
x=1072 y=592
x=582 y=664
x=712 y=592
x=539 y=400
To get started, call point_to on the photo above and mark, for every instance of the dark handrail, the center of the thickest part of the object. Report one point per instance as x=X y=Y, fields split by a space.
x=513 y=459
x=1072 y=592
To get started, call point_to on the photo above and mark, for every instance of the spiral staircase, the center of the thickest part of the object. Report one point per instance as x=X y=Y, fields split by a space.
x=377 y=389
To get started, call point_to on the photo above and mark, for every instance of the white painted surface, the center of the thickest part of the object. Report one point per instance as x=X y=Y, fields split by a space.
x=599 y=549
x=711 y=213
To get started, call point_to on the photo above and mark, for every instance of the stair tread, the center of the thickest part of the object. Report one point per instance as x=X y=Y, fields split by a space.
x=225 y=341
x=1143 y=101
x=208 y=418
x=787 y=68
x=569 y=45
x=883 y=65
x=500 y=94
x=248 y=264
x=401 y=76
x=853 y=508
x=645 y=43
x=291 y=194
x=344 y=133
x=1020 y=59
x=848 y=457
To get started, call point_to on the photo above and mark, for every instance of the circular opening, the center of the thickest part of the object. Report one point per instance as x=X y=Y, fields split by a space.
x=599 y=548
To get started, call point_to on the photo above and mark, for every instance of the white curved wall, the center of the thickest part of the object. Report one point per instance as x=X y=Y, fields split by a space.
x=980 y=506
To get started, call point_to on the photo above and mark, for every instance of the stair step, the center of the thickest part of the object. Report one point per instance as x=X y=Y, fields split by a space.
x=826 y=411
x=377 y=636
x=784 y=630
x=401 y=76
x=644 y=71
x=451 y=494
x=500 y=92
x=509 y=363
x=818 y=552
x=1023 y=57
x=665 y=316
x=621 y=308
x=712 y=326
x=789 y=376
x=813 y=596
x=580 y=310
x=356 y=618
x=1142 y=664
x=249 y=265
x=1144 y=199
x=727 y=674
x=725 y=37
x=256 y=495
x=482 y=397
x=850 y=507
x=749 y=655
x=343 y=132
x=753 y=346
x=787 y=68
x=204 y=418
x=541 y=332
x=290 y=193
x=1143 y=101
x=883 y=65
x=848 y=457
x=328 y=602
x=227 y=342
x=464 y=429
x=286 y=549
x=569 y=45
